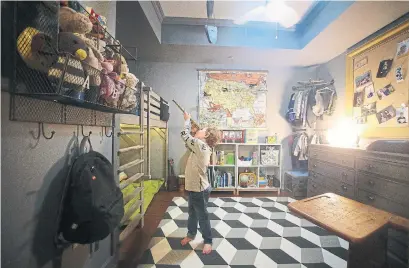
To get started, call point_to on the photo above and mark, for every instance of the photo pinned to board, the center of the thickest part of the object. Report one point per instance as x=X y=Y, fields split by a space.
x=399 y=74
x=369 y=91
x=361 y=63
x=384 y=68
x=385 y=91
x=402 y=115
x=403 y=48
x=363 y=80
x=386 y=114
x=361 y=120
x=368 y=109
x=358 y=99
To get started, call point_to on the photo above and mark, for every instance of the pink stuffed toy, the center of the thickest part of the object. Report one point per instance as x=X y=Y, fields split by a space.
x=108 y=65
x=107 y=86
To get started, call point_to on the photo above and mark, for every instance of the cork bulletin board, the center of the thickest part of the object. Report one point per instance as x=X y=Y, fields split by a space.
x=377 y=85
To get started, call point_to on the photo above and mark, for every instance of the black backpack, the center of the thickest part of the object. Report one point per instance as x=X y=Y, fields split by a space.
x=93 y=204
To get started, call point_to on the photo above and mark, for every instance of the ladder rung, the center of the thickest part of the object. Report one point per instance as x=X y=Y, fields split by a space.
x=130 y=133
x=131 y=210
x=128 y=230
x=137 y=147
x=130 y=164
x=130 y=180
x=131 y=196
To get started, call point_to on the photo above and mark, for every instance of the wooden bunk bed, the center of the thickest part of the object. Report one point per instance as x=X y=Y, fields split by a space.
x=133 y=161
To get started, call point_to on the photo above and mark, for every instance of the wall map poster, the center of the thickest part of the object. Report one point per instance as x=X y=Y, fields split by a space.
x=233 y=99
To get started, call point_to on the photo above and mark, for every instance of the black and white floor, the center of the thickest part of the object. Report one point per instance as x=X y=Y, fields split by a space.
x=248 y=232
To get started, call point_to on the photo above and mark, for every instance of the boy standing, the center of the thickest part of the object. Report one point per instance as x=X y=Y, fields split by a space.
x=196 y=181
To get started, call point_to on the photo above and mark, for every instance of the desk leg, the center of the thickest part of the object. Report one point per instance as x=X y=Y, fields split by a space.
x=369 y=254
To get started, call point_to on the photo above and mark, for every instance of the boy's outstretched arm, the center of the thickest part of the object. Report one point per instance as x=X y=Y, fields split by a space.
x=192 y=143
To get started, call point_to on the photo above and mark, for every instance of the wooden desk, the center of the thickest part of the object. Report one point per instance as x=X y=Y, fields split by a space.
x=363 y=226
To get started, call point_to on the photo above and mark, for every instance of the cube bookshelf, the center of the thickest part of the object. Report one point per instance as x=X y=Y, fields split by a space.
x=260 y=167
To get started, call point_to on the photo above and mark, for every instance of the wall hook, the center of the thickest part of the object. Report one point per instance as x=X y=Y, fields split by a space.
x=38 y=134
x=82 y=131
x=105 y=131
x=52 y=133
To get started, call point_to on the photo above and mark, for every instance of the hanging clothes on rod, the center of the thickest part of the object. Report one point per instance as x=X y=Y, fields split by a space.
x=324 y=101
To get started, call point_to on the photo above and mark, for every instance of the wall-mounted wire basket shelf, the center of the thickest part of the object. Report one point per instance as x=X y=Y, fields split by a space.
x=58 y=80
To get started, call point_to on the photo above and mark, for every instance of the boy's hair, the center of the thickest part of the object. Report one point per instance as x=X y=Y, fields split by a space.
x=212 y=137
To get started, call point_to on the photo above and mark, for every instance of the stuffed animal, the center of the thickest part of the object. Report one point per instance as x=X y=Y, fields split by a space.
x=36 y=50
x=119 y=90
x=90 y=43
x=108 y=65
x=92 y=66
x=73 y=44
x=74 y=22
x=107 y=86
x=121 y=65
x=109 y=53
x=130 y=79
x=129 y=100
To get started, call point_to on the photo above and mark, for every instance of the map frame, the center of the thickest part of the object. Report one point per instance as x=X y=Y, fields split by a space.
x=253 y=84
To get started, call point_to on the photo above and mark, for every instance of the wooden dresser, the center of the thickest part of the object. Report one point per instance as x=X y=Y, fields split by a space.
x=375 y=178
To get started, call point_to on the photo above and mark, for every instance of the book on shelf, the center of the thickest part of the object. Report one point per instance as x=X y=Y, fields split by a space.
x=219 y=178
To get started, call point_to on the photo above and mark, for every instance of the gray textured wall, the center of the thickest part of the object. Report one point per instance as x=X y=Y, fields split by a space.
x=32 y=174
x=180 y=82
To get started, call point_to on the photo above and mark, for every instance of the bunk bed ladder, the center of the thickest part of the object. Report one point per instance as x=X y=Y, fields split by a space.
x=137 y=179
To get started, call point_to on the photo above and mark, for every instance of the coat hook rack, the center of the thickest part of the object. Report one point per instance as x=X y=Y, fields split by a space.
x=82 y=131
x=105 y=131
x=41 y=130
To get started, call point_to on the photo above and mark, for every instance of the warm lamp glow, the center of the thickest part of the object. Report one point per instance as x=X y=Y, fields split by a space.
x=345 y=134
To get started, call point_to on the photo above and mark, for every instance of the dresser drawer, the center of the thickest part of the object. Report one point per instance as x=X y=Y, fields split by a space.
x=399 y=172
x=317 y=178
x=340 y=188
x=343 y=174
x=382 y=203
x=314 y=188
x=395 y=191
x=334 y=158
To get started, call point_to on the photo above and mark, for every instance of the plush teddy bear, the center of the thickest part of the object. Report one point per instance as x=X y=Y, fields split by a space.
x=73 y=44
x=130 y=79
x=36 y=50
x=74 y=22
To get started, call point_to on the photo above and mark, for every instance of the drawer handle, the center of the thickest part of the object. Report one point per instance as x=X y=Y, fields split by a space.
x=344 y=174
x=315 y=165
x=370 y=198
x=371 y=182
x=314 y=175
x=314 y=186
x=315 y=154
x=344 y=187
x=370 y=166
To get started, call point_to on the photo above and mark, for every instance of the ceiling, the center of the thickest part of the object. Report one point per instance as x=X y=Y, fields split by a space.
x=225 y=10
x=325 y=37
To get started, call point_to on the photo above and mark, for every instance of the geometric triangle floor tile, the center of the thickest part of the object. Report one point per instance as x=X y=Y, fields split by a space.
x=247 y=232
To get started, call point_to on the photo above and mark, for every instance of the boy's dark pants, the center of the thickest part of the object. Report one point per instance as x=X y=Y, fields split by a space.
x=198 y=212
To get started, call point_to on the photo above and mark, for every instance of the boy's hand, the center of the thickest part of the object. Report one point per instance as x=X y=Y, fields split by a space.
x=194 y=129
x=186 y=116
